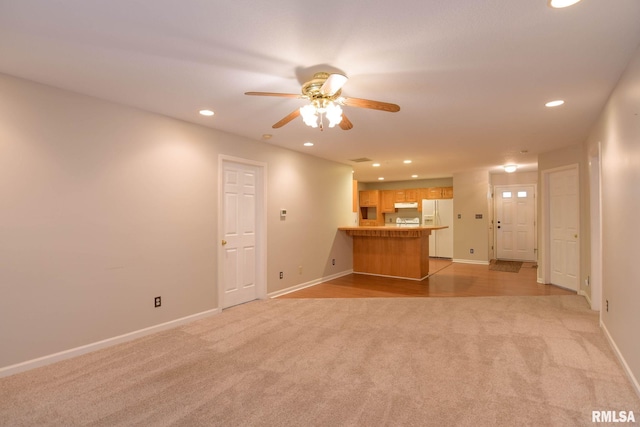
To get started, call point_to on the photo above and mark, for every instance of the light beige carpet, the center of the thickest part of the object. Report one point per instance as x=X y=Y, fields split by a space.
x=494 y=361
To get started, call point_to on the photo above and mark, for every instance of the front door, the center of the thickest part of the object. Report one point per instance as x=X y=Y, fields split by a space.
x=239 y=211
x=564 y=250
x=515 y=222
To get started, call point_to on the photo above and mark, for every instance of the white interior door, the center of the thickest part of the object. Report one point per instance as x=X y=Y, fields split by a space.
x=515 y=222
x=239 y=211
x=564 y=249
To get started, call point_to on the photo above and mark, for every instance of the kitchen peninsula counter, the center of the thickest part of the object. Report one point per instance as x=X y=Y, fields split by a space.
x=394 y=251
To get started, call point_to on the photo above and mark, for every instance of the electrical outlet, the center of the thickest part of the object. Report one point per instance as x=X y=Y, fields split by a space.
x=607 y=306
x=282 y=275
x=471 y=251
x=299 y=269
x=333 y=261
x=157 y=301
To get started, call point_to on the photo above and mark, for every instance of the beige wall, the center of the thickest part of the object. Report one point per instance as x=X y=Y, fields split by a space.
x=471 y=197
x=516 y=178
x=618 y=130
x=104 y=207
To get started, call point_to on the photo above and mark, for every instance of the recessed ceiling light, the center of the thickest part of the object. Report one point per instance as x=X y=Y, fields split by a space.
x=381 y=178
x=308 y=144
x=559 y=4
x=554 y=103
x=266 y=136
x=206 y=112
x=510 y=168
x=406 y=162
x=376 y=165
x=414 y=176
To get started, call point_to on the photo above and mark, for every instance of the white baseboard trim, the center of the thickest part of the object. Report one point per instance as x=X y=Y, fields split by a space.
x=392 y=277
x=625 y=366
x=587 y=297
x=307 y=284
x=74 y=352
x=471 y=261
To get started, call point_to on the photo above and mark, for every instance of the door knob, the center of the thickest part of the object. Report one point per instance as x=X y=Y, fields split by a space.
x=224 y=242
x=575 y=236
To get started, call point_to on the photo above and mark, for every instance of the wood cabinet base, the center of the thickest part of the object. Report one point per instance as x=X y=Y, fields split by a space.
x=391 y=252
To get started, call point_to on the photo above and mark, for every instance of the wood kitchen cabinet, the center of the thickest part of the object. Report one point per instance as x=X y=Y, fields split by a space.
x=370 y=209
x=447 y=192
x=439 y=193
x=409 y=195
x=387 y=201
x=354 y=195
x=369 y=198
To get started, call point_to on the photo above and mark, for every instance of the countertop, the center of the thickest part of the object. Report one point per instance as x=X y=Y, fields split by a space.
x=393 y=227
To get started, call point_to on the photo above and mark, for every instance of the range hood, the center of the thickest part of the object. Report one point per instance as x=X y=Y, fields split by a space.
x=407 y=205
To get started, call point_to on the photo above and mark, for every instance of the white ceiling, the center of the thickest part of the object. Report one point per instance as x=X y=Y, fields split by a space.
x=471 y=77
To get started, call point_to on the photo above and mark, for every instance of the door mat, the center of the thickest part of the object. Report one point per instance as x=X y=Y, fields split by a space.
x=508 y=266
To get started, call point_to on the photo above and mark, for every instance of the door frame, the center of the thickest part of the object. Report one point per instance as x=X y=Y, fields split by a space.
x=595 y=210
x=261 y=225
x=535 y=216
x=544 y=273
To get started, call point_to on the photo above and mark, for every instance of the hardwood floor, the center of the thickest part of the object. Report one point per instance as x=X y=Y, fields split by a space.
x=447 y=279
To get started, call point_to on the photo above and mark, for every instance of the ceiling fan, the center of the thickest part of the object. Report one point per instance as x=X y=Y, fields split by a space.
x=323 y=91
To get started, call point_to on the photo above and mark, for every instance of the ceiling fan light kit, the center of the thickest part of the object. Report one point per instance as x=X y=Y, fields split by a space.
x=559 y=4
x=323 y=91
x=313 y=113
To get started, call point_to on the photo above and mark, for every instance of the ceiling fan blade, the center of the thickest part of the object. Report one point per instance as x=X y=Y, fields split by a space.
x=345 y=123
x=367 y=103
x=285 y=95
x=333 y=84
x=295 y=113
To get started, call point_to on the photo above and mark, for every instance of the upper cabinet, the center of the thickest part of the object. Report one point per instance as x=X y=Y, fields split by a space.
x=447 y=192
x=370 y=210
x=369 y=198
x=405 y=196
x=439 y=193
x=388 y=199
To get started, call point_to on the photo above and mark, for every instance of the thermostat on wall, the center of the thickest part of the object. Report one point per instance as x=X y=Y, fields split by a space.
x=283 y=213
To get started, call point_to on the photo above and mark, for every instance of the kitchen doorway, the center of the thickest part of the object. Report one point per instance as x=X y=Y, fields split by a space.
x=242 y=227
x=515 y=222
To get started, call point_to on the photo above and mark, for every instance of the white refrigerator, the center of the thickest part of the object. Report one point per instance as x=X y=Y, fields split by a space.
x=439 y=212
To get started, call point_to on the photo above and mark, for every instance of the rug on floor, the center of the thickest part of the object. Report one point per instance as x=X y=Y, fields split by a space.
x=508 y=266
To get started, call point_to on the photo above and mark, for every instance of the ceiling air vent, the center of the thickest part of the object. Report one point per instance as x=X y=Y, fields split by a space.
x=360 y=160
